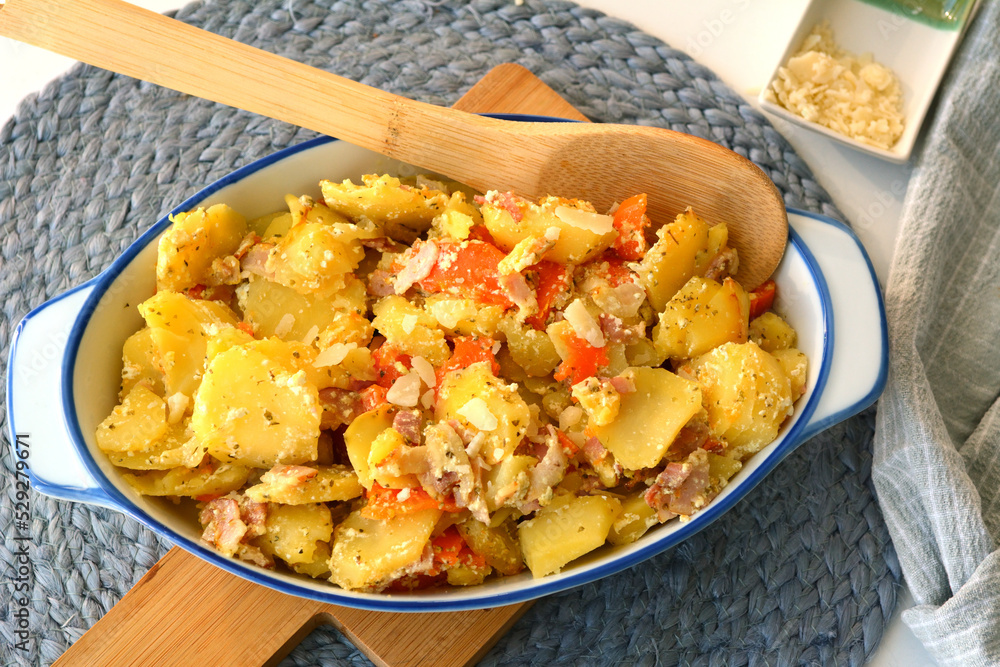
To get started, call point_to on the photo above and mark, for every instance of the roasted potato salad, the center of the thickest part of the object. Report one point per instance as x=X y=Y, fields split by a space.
x=398 y=385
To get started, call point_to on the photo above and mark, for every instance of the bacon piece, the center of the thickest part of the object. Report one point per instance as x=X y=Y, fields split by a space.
x=615 y=330
x=380 y=283
x=255 y=260
x=623 y=384
x=418 y=263
x=505 y=200
x=340 y=407
x=693 y=436
x=726 y=263
x=223 y=526
x=382 y=244
x=681 y=487
x=254 y=515
x=516 y=288
x=549 y=471
x=594 y=451
x=409 y=424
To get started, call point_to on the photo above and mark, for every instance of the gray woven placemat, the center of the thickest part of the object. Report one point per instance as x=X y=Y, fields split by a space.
x=801 y=572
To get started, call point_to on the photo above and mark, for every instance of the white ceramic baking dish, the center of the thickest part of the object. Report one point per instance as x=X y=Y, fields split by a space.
x=65 y=365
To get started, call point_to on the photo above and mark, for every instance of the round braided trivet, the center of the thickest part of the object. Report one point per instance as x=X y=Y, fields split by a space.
x=801 y=572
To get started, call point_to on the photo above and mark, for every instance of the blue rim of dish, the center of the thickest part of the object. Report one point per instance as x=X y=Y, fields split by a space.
x=106 y=491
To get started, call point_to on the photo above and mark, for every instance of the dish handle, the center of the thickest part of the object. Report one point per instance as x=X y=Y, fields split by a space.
x=859 y=364
x=38 y=432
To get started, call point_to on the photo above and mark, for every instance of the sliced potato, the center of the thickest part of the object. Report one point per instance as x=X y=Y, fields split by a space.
x=135 y=425
x=293 y=531
x=702 y=315
x=635 y=519
x=650 y=417
x=331 y=483
x=478 y=400
x=402 y=213
x=583 y=233
x=747 y=395
x=685 y=248
x=205 y=480
x=253 y=410
x=567 y=528
x=195 y=240
x=367 y=553
x=772 y=333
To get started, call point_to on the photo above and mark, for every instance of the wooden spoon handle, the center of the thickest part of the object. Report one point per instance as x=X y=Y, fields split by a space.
x=123 y=38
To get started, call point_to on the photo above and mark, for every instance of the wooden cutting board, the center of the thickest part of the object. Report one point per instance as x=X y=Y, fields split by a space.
x=188 y=612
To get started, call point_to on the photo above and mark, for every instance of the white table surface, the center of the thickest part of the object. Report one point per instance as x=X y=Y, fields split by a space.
x=741 y=40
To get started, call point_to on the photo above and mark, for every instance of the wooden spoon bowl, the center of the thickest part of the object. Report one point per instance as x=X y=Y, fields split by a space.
x=597 y=162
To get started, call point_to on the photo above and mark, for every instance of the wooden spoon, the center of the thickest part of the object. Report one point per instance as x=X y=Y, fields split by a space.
x=597 y=162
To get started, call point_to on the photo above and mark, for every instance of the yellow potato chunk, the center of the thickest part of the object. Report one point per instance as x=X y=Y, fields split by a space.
x=464 y=317
x=684 y=248
x=176 y=449
x=635 y=519
x=180 y=330
x=796 y=367
x=319 y=566
x=360 y=435
x=478 y=400
x=772 y=333
x=139 y=364
x=275 y=310
x=367 y=553
x=196 y=239
x=252 y=410
x=721 y=469
x=583 y=233
x=507 y=482
x=650 y=417
x=135 y=425
x=496 y=545
x=530 y=349
x=747 y=395
x=702 y=315
x=205 y=480
x=332 y=483
x=316 y=258
x=564 y=530
x=294 y=530
x=401 y=213
x=410 y=329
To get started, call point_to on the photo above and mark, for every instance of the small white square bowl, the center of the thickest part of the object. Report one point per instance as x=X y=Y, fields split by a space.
x=917 y=52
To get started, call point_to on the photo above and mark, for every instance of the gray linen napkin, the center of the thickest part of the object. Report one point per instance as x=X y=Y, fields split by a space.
x=937 y=438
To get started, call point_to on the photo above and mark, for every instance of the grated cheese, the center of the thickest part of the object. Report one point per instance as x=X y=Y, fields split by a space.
x=334 y=354
x=285 y=325
x=583 y=323
x=849 y=94
x=424 y=370
x=478 y=414
x=592 y=222
x=405 y=391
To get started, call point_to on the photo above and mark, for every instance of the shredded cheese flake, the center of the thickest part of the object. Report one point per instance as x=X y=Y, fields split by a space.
x=478 y=414
x=334 y=354
x=405 y=391
x=424 y=370
x=285 y=325
x=592 y=222
x=583 y=323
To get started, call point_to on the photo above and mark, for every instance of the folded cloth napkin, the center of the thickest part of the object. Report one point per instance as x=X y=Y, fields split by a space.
x=937 y=441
